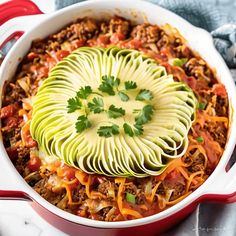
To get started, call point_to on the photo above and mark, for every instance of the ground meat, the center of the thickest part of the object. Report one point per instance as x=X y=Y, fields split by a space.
x=197 y=164
x=23 y=158
x=177 y=187
x=33 y=178
x=218 y=131
x=161 y=189
x=131 y=188
x=140 y=198
x=83 y=30
x=146 y=33
x=79 y=194
x=45 y=190
x=221 y=106
x=12 y=93
x=119 y=25
x=105 y=186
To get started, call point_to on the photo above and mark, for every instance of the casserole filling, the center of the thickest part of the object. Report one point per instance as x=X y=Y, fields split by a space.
x=129 y=123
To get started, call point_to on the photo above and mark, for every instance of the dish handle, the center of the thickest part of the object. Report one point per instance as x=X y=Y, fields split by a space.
x=16 y=17
x=223 y=189
x=11 y=185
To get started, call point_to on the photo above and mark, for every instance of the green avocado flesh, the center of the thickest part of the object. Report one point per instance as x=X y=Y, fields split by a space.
x=164 y=137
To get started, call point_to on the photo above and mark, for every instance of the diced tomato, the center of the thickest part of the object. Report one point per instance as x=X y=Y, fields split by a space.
x=103 y=40
x=68 y=172
x=219 y=90
x=43 y=72
x=34 y=163
x=8 y=111
x=79 y=43
x=32 y=55
x=134 y=44
x=26 y=136
x=191 y=81
x=11 y=122
x=61 y=54
x=173 y=175
x=12 y=153
x=116 y=37
x=50 y=62
x=81 y=213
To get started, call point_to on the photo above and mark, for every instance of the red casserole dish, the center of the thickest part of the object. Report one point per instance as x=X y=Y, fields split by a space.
x=219 y=187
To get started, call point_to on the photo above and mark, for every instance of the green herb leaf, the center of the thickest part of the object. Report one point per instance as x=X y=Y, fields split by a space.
x=128 y=129
x=130 y=198
x=179 y=61
x=144 y=94
x=115 y=112
x=73 y=104
x=108 y=82
x=82 y=123
x=200 y=139
x=84 y=92
x=131 y=131
x=130 y=85
x=111 y=80
x=108 y=131
x=138 y=129
x=201 y=106
x=106 y=88
x=124 y=97
x=97 y=106
x=144 y=115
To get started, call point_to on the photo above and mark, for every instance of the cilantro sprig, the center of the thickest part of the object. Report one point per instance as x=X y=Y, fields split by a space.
x=114 y=112
x=97 y=106
x=73 y=104
x=130 y=85
x=108 y=131
x=133 y=130
x=144 y=115
x=108 y=84
x=123 y=96
x=84 y=92
x=144 y=95
x=82 y=124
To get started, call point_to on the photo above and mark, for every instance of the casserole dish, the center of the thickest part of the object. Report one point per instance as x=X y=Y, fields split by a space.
x=198 y=40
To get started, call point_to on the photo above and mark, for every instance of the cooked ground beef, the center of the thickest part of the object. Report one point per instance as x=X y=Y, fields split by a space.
x=46 y=191
x=119 y=25
x=146 y=33
x=217 y=131
x=197 y=164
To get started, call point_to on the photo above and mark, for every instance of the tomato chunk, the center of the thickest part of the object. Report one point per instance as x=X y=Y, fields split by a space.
x=68 y=172
x=61 y=54
x=103 y=40
x=32 y=55
x=7 y=111
x=34 y=163
x=117 y=37
x=219 y=90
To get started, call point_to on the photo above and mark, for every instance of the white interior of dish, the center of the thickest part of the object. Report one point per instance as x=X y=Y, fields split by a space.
x=139 y=11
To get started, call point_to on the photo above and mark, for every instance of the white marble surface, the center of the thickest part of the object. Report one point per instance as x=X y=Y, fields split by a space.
x=18 y=218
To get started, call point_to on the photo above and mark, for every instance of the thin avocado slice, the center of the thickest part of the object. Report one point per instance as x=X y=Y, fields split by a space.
x=163 y=135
